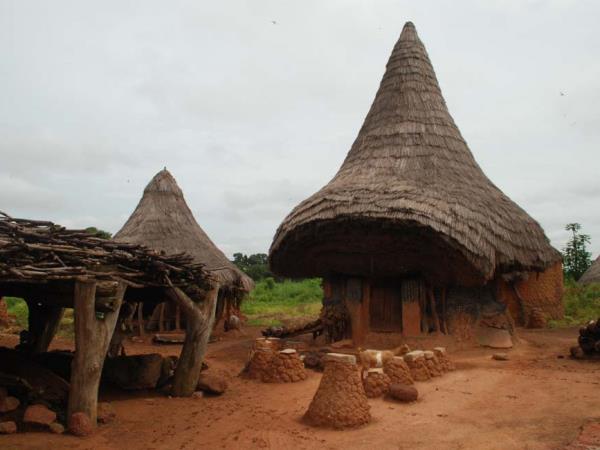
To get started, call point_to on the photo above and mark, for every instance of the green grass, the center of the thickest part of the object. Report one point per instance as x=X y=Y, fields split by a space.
x=274 y=303
x=18 y=308
x=582 y=304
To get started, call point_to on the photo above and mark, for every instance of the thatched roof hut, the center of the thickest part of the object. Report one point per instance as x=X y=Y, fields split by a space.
x=592 y=275
x=409 y=200
x=163 y=221
x=410 y=195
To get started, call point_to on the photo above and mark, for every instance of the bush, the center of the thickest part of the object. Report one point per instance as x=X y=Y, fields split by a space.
x=582 y=304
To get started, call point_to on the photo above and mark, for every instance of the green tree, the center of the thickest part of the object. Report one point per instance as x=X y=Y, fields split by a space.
x=576 y=258
x=98 y=233
x=255 y=266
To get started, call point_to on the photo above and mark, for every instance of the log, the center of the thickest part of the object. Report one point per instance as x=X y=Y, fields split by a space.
x=92 y=337
x=44 y=321
x=200 y=318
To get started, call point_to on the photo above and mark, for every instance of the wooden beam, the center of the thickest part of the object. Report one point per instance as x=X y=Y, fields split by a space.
x=92 y=335
x=200 y=318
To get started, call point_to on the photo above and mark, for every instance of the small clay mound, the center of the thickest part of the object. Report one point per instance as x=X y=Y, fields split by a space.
x=376 y=383
x=271 y=343
x=416 y=363
x=285 y=367
x=260 y=362
x=340 y=400
x=442 y=356
x=398 y=371
x=433 y=365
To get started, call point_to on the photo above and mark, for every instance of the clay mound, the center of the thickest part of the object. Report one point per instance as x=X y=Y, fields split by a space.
x=285 y=367
x=416 y=363
x=442 y=356
x=398 y=371
x=259 y=364
x=377 y=383
x=433 y=365
x=340 y=400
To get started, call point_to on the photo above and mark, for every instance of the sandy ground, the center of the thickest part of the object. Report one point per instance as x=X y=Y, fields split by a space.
x=534 y=401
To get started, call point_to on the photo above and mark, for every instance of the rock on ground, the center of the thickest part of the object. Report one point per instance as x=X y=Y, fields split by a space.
x=211 y=384
x=8 y=404
x=8 y=427
x=80 y=424
x=403 y=393
x=39 y=415
x=56 y=428
x=106 y=412
x=494 y=337
x=134 y=372
x=500 y=356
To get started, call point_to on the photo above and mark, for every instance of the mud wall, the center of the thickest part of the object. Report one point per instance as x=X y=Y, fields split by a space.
x=542 y=290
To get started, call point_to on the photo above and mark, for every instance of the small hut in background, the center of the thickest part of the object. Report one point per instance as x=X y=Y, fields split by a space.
x=163 y=221
x=410 y=232
x=592 y=275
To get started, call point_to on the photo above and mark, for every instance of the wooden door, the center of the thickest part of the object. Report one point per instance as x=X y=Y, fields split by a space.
x=385 y=308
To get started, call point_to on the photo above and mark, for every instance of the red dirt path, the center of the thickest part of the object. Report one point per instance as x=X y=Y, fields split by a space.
x=533 y=401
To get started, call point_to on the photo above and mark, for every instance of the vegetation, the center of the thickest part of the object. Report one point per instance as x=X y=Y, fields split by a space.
x=18 y=308
x=283 y=303
x=576 y=258
x=99 y=233
x=582 y=304
x=255 y=266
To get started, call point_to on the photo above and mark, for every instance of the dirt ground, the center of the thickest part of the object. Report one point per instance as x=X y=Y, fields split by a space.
x=536 y=400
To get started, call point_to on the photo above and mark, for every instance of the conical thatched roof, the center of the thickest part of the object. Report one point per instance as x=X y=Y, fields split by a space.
x=163 y=221
x=410 y=198
x=592 y=275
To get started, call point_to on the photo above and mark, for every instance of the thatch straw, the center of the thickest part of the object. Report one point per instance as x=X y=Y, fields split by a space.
x=410 y=197
x=163 y=221
x=592 y=275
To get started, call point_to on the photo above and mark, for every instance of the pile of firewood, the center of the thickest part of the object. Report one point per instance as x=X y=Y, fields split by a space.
x=589 y=338
x=41 y=251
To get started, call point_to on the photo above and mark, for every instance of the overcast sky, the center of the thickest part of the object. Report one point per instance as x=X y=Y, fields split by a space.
x=253 y=105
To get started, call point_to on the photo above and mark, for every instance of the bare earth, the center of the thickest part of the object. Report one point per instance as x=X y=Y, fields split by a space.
x=534 y=401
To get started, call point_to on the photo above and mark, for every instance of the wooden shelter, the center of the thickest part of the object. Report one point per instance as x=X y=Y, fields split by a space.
x=53 y=268
x=163 y=221
x=592 y=275
x=410 y=229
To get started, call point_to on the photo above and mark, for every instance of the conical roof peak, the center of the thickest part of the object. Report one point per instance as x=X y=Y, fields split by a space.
x=409 y=32
x=163 y=182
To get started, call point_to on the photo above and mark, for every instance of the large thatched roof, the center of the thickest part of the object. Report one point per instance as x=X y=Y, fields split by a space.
x=592 y=275
x=163 y=221
x=410 y=198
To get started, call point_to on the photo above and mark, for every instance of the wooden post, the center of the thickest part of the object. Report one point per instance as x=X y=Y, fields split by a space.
x=200 y=318
x=161 y=317
x=92 y=336
x=177 y=318
x=140 y=318
x=433 y=306
x=43 y=321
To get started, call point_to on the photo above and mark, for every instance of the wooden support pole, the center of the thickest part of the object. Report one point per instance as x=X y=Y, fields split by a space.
x=43 y=320
x=200 y=318
x=161 y=317
x=140 y=319
x=177 y=318
x=92 y=336
x=433 y=306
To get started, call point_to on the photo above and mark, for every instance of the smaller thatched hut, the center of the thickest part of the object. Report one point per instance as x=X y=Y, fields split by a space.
x=163 y=221
x=592 y=275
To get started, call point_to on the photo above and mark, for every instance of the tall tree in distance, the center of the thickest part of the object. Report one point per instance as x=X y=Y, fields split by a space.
x=576 y=258
x=255 y=266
